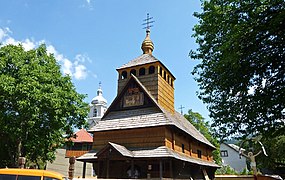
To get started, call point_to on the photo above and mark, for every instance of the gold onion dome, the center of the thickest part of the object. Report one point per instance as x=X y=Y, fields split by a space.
x=147 y=44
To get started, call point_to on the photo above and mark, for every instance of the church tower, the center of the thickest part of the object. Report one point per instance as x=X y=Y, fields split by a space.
x=98 y=107
x=158 y=80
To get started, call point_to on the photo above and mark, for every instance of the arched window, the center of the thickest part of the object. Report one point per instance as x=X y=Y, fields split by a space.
x=95 y=113
x=142 y=71
x=151 y=69
x=134 y=72
x=124 y=75
x=168 y=79
x=171 y=83
x=164 y=75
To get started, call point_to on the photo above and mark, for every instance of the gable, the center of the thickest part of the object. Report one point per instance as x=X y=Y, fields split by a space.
x=132 y=96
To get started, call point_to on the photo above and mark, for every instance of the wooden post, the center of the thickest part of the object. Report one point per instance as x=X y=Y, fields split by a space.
x=71 y=167
x=108 y=163
x=132 y=169
x=170 y=168
x=84 y=169
x=22 y=162
x=160 y=169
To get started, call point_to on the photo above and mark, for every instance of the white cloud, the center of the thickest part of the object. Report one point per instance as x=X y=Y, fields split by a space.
x=29 y=45
x=76 y=68
x=87 y=4
x=82 y=58
x=2 y=34
x=67 y=67
x=80 y=72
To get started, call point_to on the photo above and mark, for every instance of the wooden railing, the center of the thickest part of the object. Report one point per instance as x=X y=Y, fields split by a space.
x=76 y=153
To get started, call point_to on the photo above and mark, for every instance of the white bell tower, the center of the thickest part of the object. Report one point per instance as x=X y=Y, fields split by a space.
x=98 y=107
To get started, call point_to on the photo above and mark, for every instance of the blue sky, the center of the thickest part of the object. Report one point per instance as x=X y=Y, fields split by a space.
x=91 y=38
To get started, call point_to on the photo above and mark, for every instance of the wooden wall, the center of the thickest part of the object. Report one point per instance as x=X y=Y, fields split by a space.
x=143 y=137
x=175 y=139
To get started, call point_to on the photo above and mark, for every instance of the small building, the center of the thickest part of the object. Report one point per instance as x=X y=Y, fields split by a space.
x=81 y=144
x=231 y=157
x=141 y=135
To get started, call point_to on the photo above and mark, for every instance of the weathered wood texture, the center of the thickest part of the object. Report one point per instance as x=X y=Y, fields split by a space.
x=175 y=141
x=142 y=137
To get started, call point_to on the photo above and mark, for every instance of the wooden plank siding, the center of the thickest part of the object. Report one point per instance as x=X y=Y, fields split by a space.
x=76 y=153
x=165 y=94
x=174 y=140
x=142 y=137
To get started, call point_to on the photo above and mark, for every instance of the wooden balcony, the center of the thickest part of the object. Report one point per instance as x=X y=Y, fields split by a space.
x=76 y=153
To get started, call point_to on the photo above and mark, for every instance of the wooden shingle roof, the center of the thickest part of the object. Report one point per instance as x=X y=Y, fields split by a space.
x=142 y=59
x=158 y=152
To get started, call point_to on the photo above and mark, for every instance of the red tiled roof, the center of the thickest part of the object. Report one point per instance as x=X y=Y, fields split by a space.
x=82 y=136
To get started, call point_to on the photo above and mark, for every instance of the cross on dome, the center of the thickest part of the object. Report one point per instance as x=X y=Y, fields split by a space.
x=147 y=44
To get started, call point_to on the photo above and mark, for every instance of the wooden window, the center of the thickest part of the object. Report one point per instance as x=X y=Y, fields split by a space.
x=142 y=71
x=183 y=148
x=160 y=71
x=151 y=69
x=134 y=72
x=124 y=75
x=224 y=153
x=199 y=152
x=164 y=75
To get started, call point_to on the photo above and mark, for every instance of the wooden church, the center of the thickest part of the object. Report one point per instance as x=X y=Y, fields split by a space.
x=141 y=135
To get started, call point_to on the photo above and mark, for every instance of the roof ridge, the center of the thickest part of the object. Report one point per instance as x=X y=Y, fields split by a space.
x=142 y=59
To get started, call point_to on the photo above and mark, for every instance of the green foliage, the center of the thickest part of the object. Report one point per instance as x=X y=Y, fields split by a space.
x=275 y=149
x=242 y=69
x=204 y=128
x=226 y=170
x=38 y=105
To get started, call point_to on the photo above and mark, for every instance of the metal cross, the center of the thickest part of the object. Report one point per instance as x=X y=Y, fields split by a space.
x=181 y=109
x=148 y=22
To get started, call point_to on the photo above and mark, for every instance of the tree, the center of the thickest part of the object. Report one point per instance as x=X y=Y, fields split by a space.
x=204 y=128
x=242 y=69
x=38 y=105
x=275 y=149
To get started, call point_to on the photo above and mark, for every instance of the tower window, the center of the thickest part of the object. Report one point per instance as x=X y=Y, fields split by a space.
x=95 y=113
x=160 y=71
x=134 y=72
x=142 y=71
x=183 y=148
x=168 y=79
x=171 y=83
x=151 y=69
x=124 y=75
x=164 y=75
